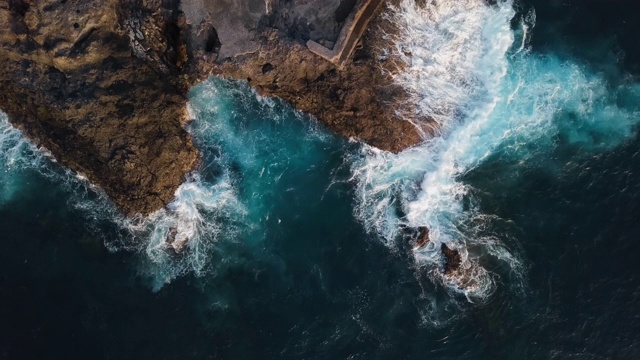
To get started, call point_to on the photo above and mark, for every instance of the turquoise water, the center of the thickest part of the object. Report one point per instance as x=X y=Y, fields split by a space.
x=301 y=242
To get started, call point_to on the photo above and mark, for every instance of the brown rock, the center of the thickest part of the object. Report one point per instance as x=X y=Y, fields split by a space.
x=358 y=100
x=452 y=259
x=463 y=277
x=171 y=237
x=423 y=236
x=70 y=81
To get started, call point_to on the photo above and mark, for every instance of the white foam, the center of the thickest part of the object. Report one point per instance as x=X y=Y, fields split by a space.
x=467 y=69
x=13 y=144
x=198 y=214
x=455 y=52
x=197 y=217
x=208 y=215
x=16 y=154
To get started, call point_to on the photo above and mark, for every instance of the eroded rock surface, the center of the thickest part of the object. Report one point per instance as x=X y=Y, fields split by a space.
x=452 y=259
x=423 y=237
x=71 y=79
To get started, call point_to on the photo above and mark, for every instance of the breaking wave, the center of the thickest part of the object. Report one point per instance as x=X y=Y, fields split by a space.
x=468 y=67
x=13 y=149
x=472 y=72
x=200 y=211
x=247 y=143
x=194 y=213
x=249 y=146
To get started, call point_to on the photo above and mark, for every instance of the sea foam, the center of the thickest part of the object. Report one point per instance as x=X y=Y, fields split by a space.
x=466 y=67
x=469 y=70
x=248 y=144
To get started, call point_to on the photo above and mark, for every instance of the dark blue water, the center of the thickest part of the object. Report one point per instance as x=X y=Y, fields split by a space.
x=295 y=252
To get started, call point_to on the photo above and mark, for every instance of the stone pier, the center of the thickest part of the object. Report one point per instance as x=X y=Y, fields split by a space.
x=351 y=32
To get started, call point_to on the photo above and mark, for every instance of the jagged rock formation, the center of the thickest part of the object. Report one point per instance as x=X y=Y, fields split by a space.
x=102 y=84
x=70 y=80
x=423 y=237
x=452 y=259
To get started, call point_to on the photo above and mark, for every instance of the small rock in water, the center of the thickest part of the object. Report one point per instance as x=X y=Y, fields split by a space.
x=452 y=259
x=423 y=236
x=171 y=238
x=180 y=244
x=176 y=243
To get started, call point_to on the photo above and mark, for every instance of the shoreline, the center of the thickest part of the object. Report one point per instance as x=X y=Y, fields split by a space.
x=108 y=97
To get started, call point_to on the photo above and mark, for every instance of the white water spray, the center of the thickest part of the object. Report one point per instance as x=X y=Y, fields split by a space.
x=468 y=70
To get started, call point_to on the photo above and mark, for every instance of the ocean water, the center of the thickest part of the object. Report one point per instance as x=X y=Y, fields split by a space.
x=301 y=243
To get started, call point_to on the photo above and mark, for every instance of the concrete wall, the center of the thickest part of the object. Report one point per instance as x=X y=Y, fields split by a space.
x=237 y=22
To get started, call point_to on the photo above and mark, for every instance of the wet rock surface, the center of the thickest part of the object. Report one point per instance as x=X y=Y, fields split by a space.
x=71 y=79
x=358 y=100
x=423 y=236
x=452 y=259
x=103 y=84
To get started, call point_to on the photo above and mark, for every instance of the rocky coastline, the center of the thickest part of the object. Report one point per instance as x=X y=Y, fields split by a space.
x=99 y=84
x=103 y=84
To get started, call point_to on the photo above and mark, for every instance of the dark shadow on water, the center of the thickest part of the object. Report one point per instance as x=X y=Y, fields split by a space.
x=600 y=33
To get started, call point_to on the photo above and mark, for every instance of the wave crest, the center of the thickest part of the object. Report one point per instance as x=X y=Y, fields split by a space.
x=494 y=100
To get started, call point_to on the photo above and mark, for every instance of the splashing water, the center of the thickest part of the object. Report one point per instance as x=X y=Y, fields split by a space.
x=250 y=147
x=472 y=73
x=18 y=156
x=13 y=148
x=538 y=189
x=197 y=213
x=454 y=52
x=466 y=68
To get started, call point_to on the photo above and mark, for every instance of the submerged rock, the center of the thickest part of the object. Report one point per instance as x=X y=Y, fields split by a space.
x=102 y=84
x=453 y=270
x=452 y=259
x=464 y=276
x=423 y=236
x=171 y=238
x=175 y=241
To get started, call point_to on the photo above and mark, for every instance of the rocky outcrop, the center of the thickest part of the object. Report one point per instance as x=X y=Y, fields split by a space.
x=423 y=237
x=451 y=259
x=452 y=269
x=357 y=102
x=102 y=84
x=98 y=83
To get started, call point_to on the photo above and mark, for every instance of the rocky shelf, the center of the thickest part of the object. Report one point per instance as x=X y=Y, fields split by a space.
x=103 y=84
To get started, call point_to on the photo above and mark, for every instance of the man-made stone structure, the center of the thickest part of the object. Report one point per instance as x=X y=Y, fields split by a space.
x=351 y=33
